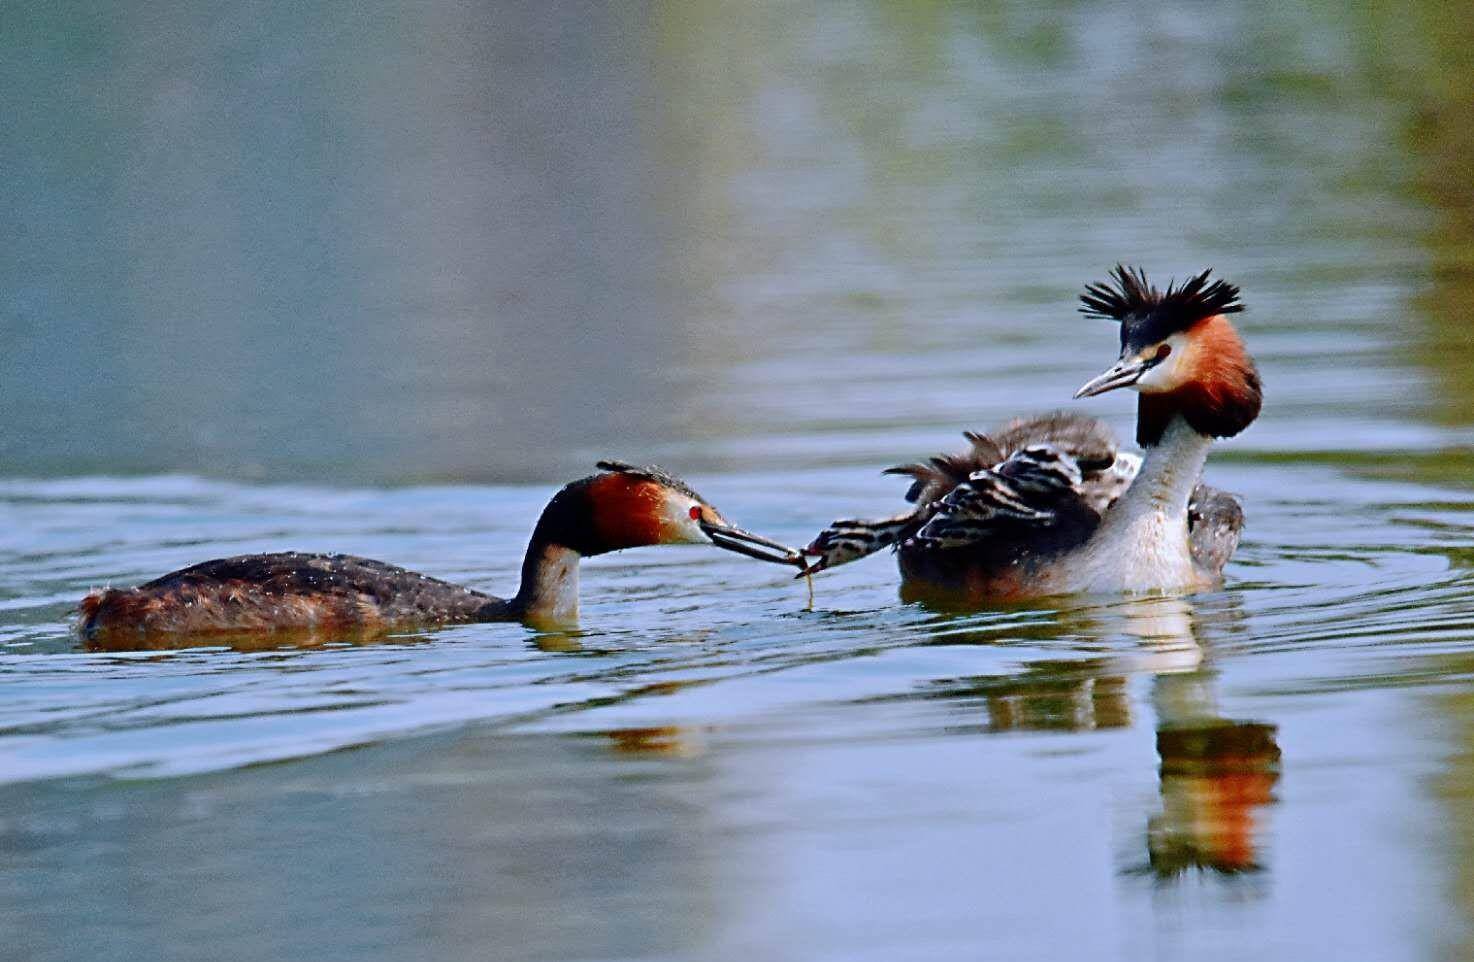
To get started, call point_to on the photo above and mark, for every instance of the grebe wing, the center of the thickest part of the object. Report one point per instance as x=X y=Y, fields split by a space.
x=1035 y=489
x=1031 y=473
x=1087 y=441
x=1215 y=520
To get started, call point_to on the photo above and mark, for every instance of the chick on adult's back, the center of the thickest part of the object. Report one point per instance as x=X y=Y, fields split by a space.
x=1050 y=505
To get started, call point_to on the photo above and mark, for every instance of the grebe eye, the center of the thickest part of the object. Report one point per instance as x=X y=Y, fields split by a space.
x=695 y=512
x=1162 y=351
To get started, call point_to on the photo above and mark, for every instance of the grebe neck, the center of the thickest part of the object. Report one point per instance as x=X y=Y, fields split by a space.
x=563 y=536
x=1170 y=470
x=1142 y=542
x=549 y=592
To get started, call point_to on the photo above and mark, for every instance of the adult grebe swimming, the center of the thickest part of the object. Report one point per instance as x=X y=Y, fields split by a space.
x=1048 y=505
x=622 y=507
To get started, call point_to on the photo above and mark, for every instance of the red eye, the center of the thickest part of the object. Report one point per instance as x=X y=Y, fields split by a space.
x=1162 y=351
x=695 y=512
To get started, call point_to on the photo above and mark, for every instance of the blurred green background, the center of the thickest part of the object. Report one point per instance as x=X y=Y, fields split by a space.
x=450 y=240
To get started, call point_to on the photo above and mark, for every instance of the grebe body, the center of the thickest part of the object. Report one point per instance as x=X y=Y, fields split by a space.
x=285 y=590
x=622 y=507
x=1050 y=505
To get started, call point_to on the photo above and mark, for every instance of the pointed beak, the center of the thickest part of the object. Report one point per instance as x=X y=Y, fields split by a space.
x=1124 y=373
x=756 y=546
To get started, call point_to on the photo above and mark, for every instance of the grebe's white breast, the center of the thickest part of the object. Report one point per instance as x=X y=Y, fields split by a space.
x=1142 y=542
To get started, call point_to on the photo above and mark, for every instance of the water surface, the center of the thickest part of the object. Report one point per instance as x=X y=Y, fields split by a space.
x=378 y=278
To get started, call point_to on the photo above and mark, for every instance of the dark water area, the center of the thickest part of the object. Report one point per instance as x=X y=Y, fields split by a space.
x=378 y=277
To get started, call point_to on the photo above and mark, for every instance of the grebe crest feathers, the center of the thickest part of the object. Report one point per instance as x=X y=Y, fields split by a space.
x=1178 y=351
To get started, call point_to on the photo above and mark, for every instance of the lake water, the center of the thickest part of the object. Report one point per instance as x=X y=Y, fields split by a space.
x=378 y=277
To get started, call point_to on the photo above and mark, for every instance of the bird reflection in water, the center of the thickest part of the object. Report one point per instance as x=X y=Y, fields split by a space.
x=1216 y=774
x=248 y=642
x=670 y=741
x=1060 y=696
x=558 y=642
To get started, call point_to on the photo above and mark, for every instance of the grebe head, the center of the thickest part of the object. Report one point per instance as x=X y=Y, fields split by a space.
x=628 y=507
x=1179 y=351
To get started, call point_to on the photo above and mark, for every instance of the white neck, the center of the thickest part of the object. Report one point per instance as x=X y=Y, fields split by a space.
x=549 y=593
x=1169 y=472
x=1142 y=544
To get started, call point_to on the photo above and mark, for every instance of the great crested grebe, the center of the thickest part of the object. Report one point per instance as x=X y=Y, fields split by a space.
x=622 y=507
x=1048 y=505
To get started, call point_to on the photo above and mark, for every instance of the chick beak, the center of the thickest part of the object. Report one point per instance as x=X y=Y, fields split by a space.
x=743 y=542
x=1124 y=373
x=807 y=570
